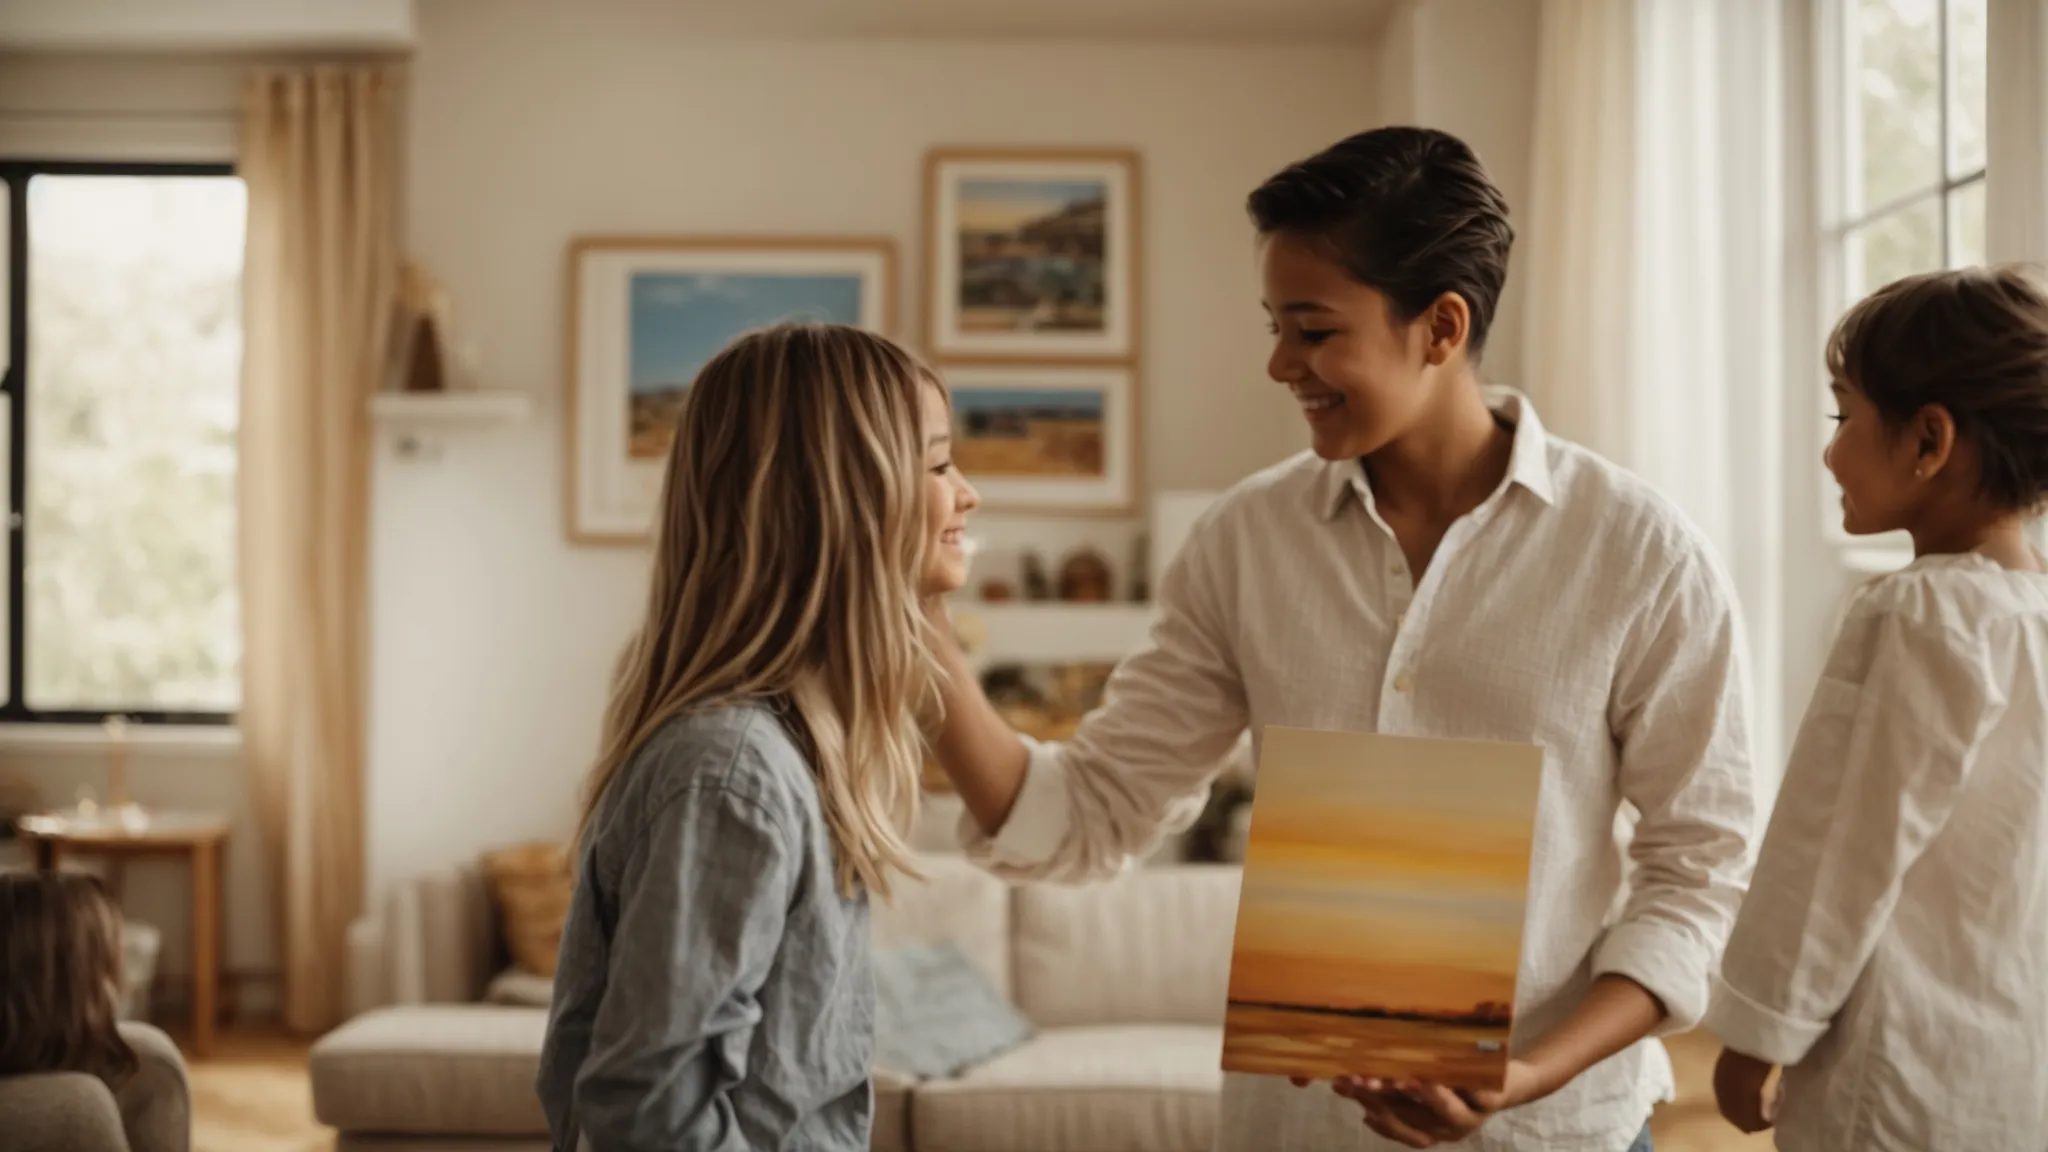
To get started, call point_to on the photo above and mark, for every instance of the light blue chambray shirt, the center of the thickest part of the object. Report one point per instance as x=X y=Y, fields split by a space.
x=713 y=992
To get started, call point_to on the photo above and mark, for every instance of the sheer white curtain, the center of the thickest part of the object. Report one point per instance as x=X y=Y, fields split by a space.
x=2016 y=142
x=1655 y=272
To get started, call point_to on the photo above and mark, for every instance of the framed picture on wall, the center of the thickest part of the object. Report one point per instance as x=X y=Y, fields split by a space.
x=1033 y=255
x=1050 y=438
x=646 y=313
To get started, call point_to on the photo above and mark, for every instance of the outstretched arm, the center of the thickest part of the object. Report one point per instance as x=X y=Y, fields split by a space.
x=1137 y=769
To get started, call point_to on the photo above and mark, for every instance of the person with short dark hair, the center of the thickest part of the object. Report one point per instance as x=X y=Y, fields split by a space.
x=1891 y=952
x=1437 y=565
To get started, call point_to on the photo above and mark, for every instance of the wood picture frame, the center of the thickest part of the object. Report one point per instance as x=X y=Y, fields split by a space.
x=645 y=312
x=1033 y=255
x=1048 y=438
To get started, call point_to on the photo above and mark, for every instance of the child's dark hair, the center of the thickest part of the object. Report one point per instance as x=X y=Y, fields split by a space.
x=60 y=977
x=1975 y=342
x=1410 y=212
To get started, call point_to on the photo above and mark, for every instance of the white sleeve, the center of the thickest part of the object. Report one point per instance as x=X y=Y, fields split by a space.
x=1881 y=756
x=1139 y=767
x=1681 y=717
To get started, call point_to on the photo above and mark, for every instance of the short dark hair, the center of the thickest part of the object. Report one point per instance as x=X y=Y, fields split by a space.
x=1974 y=341
x=1410 y=212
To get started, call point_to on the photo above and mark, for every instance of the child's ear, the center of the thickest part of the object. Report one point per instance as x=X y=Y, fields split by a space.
x=1934 y=436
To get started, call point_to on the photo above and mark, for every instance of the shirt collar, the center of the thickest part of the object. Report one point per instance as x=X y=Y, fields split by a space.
x=1528 y=459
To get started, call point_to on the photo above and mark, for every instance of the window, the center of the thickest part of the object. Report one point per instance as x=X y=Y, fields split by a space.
x=1901 y=150
x=122 y=356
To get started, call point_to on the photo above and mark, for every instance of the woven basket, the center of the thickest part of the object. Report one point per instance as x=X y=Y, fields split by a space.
x=531 y=885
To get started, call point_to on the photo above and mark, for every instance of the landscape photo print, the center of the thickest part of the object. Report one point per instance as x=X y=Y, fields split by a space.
x=1051 y=437
x=647 y=314
x=1033 y=255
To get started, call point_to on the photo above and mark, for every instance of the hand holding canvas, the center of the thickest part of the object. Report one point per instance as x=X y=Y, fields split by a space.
x=1424 y=1115
x=1616 y=1013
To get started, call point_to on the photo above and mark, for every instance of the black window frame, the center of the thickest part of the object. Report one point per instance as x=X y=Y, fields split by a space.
x=15 y=385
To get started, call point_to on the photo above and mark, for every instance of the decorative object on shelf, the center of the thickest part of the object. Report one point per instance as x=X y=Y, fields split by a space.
x=1051 y=438
x=644 y=316
x=1036 y=584
x=422 y=326
x=1085 y=577
x=1034 y=254
x=996 y=590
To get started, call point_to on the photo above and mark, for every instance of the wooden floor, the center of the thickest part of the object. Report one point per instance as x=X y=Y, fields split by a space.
x=252 y=1095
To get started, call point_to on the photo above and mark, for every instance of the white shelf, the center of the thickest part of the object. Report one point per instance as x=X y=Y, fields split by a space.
x=1052 y=632
x=418 y=420
x=483 y=407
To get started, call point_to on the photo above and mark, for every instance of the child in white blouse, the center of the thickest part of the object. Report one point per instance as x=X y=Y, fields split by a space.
x=1891 y=949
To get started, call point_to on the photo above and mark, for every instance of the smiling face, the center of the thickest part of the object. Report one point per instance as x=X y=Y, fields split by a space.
x=948 y=500
x=1361 y=378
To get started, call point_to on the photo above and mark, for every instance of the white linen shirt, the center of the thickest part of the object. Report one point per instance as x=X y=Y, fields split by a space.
x=1893 y=953
x=1574 y=609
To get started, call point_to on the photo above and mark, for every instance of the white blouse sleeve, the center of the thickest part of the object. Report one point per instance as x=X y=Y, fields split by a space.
x=1138 y=769
x=1882 y=754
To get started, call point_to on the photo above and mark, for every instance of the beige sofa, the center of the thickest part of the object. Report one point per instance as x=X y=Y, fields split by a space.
x=1124 y=983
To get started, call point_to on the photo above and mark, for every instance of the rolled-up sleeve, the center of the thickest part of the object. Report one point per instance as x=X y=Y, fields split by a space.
x=1138 y=768
x=1881 y=757
x=701 y=900
x=1680 y=714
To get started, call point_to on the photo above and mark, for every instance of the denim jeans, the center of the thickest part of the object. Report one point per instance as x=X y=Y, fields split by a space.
x=1642 y=1143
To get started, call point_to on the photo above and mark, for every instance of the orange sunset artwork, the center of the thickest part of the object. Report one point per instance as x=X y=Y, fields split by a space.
x=1379 y=927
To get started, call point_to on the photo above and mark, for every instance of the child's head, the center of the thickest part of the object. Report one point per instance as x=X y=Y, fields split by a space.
x=60 y=977
x=810 y=507
x=1941 y=388
x=1383 y=259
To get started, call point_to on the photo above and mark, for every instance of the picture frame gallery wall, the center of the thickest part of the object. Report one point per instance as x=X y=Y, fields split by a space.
x=1032 y=314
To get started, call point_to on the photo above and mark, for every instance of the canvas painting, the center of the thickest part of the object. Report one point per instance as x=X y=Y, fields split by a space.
x=1379 y=927
x=1047 y=438
x=647 y=316
x=1033 y=255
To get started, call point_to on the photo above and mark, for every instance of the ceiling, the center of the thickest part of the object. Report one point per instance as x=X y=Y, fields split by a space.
x=1235 y=20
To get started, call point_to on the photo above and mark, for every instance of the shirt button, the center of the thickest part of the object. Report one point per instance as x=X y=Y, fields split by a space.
x=1403 y=682
x=1397 y=568
x=1400 y=618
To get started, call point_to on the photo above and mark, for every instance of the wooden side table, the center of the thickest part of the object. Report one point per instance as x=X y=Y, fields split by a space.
x=200 y=838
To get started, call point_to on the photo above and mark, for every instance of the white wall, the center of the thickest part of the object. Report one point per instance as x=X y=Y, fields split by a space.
x=1468 y=67
x=534 y=121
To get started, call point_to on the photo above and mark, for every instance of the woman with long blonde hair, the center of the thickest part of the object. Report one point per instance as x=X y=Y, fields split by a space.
x=760 y=757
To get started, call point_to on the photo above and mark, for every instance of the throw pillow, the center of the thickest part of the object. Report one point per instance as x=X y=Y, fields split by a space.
x=531 y=885
x=936 y=1014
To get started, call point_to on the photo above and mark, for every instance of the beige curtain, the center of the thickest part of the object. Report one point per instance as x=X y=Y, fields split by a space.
x=319 y=155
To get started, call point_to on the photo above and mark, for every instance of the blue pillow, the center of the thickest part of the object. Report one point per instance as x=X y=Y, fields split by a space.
x=936 y=1015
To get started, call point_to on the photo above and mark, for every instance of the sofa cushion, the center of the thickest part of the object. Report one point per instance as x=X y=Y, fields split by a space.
x=1113 y=1088
x=956 y=902
x=531 y=885
x=936 y=1013
x=455 y=1069
x=1149 y=947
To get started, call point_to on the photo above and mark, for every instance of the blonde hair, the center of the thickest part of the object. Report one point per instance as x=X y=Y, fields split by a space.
x=60 y=977
x=791 y=538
